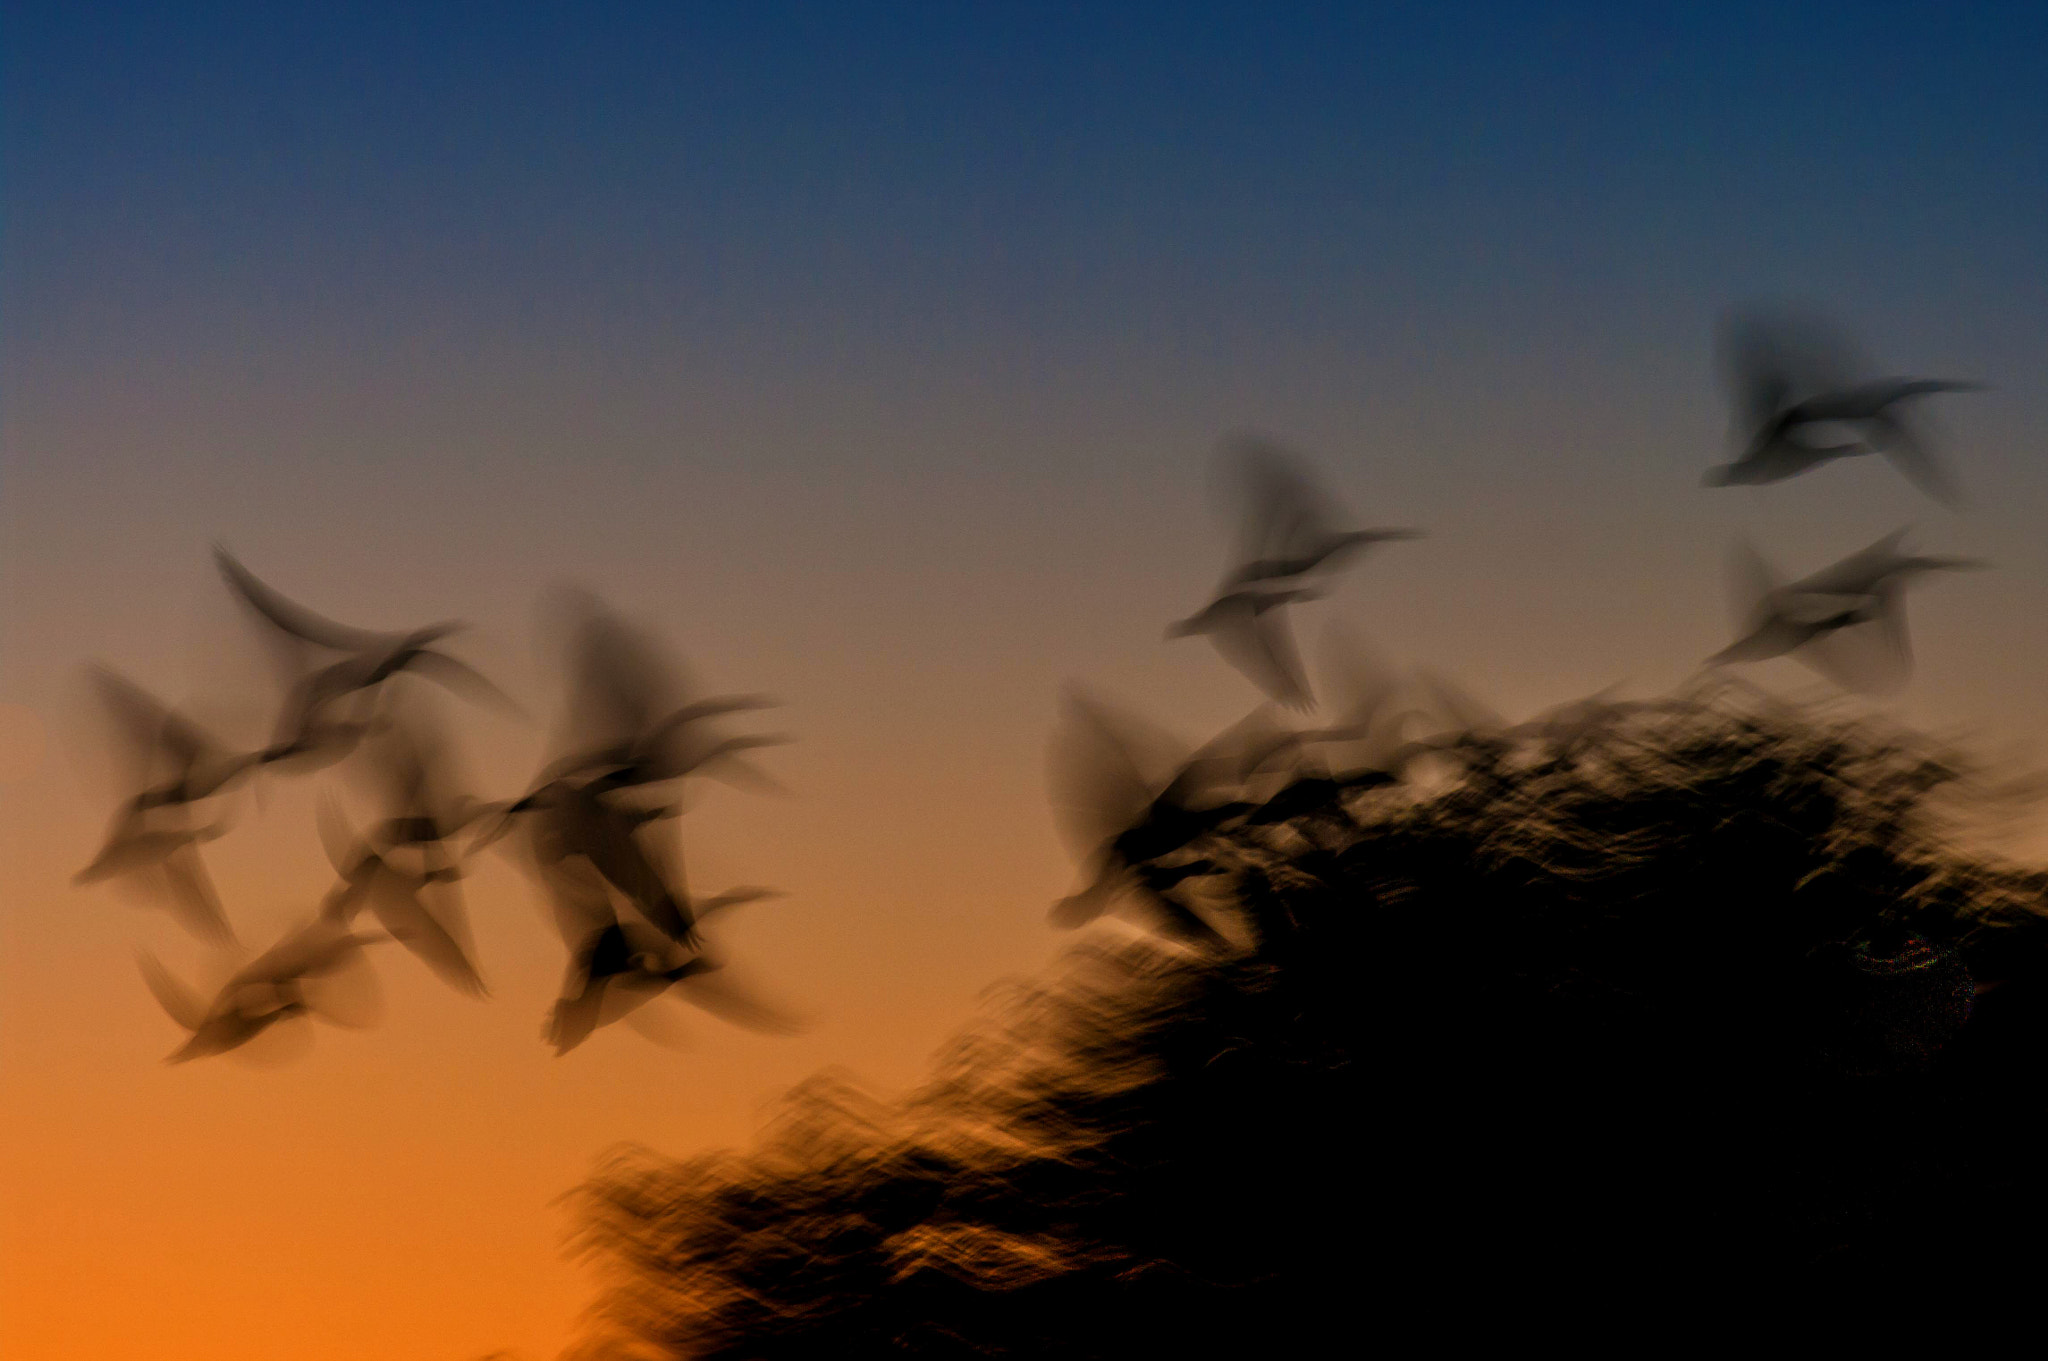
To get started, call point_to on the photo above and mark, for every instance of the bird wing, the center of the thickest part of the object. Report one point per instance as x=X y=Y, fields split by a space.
x=1774 y=357
x=621 y=681
x=1858 y=574
x=138 y=721
x=1871 y=658
x=338 y=839
x=1104 y=767
x=1752 y=585
x=1286 y=513
x=1895 y=437
x=463 y=679
x=319 y=945
x=578 y=900
x=1259 y=643
x=191 y=895
x=347 y=995
x=594 y=964
x=1220 y=765
x=733 y=1001
x=731 y=898
x=399 y=903
x=574 y=1017
x=292 y=618
x=1774 y=637
x=179 y=1001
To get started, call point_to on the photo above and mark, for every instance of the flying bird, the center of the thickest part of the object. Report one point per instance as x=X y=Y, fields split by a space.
x=618 y=964
x=325 y=713
x=403 y=872
x=316 y=970
x=1139 y=808
x=1289 y=542
x=1816 y=619
x=627 y=720
x=1290 y=525
x=153 y=841
x=1248 y=629
x=1795 y=381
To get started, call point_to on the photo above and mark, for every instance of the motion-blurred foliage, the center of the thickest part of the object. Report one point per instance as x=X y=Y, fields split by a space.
x=1698 y=1001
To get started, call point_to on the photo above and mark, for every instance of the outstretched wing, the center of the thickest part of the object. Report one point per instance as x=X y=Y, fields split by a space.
x=1895 y=437
x=293 y=618
x=1861 y=573
x=180 y=1002
x=1104 y=768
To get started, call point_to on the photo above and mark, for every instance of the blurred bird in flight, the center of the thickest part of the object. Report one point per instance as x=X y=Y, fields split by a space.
x=1794 y=380
x=1288 y=545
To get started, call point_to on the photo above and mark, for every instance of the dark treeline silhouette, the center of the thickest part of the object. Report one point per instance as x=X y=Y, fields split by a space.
x=1703 y=1002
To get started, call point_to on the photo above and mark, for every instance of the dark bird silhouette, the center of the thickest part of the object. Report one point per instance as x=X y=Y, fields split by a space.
x=1793 y=379
x=1138 y=807
x=316 y=970
x=628 y=720
x=1290 y=520
x=1812 y=619
x=1252 y=634
x=617 y=968
x=325 y=709
x=618 y=964
x=403 y=871
x=153 y=841
x=578 y=837
x=1289 y=542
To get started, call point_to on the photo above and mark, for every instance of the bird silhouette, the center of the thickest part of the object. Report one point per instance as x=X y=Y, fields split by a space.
x=324 y=715
x=1794 y=377
x=153 y=841
x=403 y=872
x=628 y=720
x=1248 y=629
x=618 y=964
x=1815 y=619
x=317 y=969
x=1138 y=807
x=1288 y=543
x=1289 y=520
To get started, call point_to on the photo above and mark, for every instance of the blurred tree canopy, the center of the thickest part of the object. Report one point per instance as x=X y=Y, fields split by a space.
x=1699 y=1005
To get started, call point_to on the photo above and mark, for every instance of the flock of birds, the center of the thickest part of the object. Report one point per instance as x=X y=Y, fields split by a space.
x=628 y=739
x=1138 y=805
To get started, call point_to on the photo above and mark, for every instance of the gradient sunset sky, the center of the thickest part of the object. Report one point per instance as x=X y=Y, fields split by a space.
x=875 y=357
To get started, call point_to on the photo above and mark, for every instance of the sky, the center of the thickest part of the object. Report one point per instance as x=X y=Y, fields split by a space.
x=875 y=357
